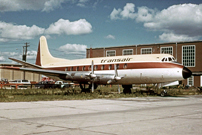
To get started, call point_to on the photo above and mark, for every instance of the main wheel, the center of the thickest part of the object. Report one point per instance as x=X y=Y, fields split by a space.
x=163 y=93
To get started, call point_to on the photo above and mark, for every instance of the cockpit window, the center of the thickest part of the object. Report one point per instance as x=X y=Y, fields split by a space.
x=168 y=59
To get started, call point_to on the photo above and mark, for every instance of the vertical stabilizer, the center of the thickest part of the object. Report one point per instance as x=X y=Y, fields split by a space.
x=43 y=54
x=44 y=58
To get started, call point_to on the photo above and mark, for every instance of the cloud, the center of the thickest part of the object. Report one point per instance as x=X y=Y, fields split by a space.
x=127 y=12
x=9 y=31
x=13 y=32
x=4 y=56
x=42 y=5
x=31 y=55
x=171 y=37
x=177 y=23
x=70 y=28
x=52 y=4
x=110 y=37
x=68 y=48
x=181 y=20
x=2 y=59
x=19 y=5
x=77 y=50
x=82 y=3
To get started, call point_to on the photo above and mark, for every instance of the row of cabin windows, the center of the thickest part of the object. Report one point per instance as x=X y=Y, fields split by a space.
x=84 y=68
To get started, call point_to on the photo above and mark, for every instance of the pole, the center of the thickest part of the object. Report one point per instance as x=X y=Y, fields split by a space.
x=24 y=56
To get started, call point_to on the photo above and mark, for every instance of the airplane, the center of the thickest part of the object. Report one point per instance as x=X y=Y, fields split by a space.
x=123 y=70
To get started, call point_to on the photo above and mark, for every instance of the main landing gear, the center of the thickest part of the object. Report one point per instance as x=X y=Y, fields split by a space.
x=87 y=90
x=163 y=93
x=127 y=89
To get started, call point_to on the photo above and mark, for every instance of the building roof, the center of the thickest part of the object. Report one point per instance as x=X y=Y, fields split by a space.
x=148 y=44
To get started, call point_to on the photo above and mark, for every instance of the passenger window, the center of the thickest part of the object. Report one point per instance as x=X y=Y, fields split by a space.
x=110 y=66
x=169 y=58
x=95 y=67
x=163 y=59
x=84 y=68
x=103 y=67
x=117 y=66
x=77 y=68
x=166 y=59
x=125 y=66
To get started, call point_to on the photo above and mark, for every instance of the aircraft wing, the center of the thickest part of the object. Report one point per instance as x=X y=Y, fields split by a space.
x=77 y=76
x=25 y=63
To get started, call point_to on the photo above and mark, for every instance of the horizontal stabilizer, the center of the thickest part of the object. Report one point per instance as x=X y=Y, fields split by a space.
x=26 y=63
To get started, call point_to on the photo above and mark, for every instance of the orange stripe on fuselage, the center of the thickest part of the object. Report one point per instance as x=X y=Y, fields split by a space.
x=136 y=65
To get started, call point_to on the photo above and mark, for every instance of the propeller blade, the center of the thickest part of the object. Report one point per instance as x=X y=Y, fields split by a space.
x=92 y=67
x=92 y=88
x=115 y=70
x=92 y=76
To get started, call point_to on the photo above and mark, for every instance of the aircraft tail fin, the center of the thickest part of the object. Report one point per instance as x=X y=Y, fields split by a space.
x=44 y=58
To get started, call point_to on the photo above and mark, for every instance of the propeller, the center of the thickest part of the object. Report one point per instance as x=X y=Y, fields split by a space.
x=92 y=75
x=116 y=77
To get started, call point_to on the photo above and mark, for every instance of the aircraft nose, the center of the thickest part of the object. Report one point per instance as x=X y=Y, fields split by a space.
x=186 y=73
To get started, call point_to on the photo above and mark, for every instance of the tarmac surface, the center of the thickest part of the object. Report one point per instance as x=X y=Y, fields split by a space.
x=124 y=116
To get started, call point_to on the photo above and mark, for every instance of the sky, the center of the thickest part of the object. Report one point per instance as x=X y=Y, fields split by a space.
x=71 y=26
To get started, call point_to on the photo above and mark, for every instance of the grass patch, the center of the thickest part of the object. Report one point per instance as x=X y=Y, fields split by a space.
x=26 y=95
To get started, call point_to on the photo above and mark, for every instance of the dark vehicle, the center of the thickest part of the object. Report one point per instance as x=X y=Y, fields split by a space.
x=45 y=84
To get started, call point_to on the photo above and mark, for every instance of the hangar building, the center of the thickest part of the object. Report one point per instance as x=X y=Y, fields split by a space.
x=17 y=75
x=187 y=53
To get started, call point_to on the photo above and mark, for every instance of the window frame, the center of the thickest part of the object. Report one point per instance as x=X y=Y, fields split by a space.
x=188 y=81
x=110 y=51
x=185 y=63
x=146 y=48
x=167 y=47
x=127 y=50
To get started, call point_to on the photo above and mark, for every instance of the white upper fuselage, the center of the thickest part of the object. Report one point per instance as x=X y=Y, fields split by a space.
x=134 y=69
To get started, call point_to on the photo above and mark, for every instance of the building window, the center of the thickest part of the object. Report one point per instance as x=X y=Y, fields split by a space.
x=146 y=50
x=190 y=81
x=188 y=55
x=167 y=50
x=110 y=53
x=127 y=52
